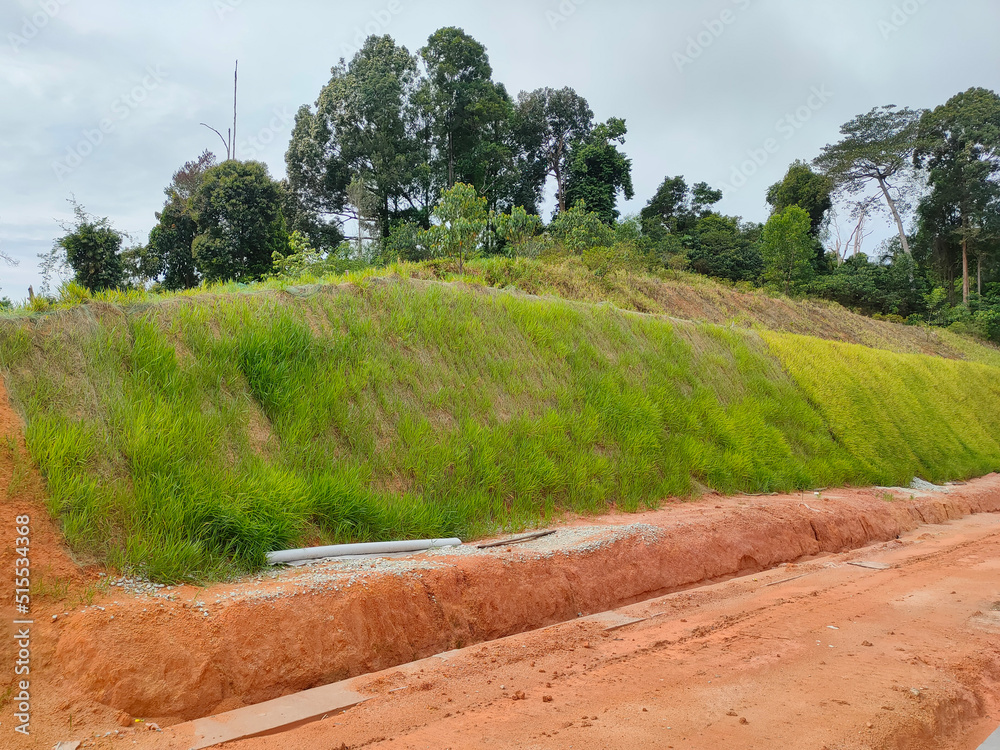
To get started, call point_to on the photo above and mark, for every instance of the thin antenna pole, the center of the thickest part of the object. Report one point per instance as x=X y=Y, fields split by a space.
x=236 y=79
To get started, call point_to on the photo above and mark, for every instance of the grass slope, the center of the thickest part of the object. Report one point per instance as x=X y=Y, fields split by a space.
x=185 y=439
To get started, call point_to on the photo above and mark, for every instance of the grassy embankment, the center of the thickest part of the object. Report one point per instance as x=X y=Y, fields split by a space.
x=186 y=438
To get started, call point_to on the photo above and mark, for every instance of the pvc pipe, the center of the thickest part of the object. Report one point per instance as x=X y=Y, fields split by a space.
x=350 y=550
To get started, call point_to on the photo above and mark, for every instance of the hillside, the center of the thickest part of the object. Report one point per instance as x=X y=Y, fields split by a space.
x=185 y=437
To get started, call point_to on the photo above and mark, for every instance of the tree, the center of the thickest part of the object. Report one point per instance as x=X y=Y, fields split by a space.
x=550 y=121
x=517 y=228
x=806 y=189
x=240 y=224
x=168 y=252
x=462 y=98
x=461 y=220
x=364 y=126
x=786 y=247
x=598 y=171
x=724 y=247
x=580 y=229
x=675 y=209
x=876 y=147
x=317 y=181
x=959 y=142
x=92 y=249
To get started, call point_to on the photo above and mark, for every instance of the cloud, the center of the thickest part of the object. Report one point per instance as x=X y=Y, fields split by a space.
x=82 y=65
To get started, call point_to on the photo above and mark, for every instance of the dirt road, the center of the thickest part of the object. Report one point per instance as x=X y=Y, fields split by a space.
x=822 y=654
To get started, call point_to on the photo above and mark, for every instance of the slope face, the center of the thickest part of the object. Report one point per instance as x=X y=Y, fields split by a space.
x=188 y=438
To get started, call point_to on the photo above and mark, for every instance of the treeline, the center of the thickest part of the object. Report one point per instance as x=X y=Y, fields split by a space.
x=421 y=156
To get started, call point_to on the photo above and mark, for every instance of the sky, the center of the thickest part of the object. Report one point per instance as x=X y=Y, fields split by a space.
x=102 y=100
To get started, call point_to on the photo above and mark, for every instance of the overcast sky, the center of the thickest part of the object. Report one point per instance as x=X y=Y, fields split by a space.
x=703 y=86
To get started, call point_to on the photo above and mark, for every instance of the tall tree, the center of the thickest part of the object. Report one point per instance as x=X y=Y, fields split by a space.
x=599 y=172
x=316 y=185
x=806 y=189
x=550 y=121
x=362 y=127
x=959 y=142
x=168 y=252
x=463 y=98
x=238 y=210
x=675 y=209
x=876 y=147
x=786 y=246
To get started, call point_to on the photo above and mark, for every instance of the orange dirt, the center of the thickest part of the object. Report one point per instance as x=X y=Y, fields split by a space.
x=189 y=652
x=816 y=655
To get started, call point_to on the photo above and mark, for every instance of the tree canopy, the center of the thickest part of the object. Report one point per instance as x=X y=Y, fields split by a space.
x=876 y=147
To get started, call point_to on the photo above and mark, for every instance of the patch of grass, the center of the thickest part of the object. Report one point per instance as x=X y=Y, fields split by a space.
x=901 y=415
x=186 y=439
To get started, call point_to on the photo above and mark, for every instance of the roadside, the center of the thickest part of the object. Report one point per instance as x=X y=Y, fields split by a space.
x=824 y=654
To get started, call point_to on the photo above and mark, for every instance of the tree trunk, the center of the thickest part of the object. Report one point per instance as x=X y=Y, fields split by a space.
x=979 y=274
x=559 y=178
x=451 y=160
x=895 y=215
x=965 y=270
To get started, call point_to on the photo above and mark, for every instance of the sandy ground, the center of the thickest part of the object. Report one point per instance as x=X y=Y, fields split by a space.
x=107 y=652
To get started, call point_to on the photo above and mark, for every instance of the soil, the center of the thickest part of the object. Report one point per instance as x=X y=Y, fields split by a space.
x=106 y=653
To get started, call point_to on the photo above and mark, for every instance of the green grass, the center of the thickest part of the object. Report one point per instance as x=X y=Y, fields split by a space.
x=901 y=415
x=187 y=438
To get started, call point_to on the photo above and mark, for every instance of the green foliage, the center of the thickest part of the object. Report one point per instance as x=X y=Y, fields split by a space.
x=806 y=189
x=787 y=249
x=517 y=227
x=549 y=121
x=92 y=249
x=873 y=288
x=461 y=217
x=169 y=250
x=579 y=229
x=238 y=210
x=722 y=247
x=408 y=242
x=959 y=144
x=598 y=171
x=461 y=95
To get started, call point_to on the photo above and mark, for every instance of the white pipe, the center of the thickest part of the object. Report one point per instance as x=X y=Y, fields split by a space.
x=350 y=550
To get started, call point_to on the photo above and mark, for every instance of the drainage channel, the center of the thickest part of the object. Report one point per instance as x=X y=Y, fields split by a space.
x=298 y=709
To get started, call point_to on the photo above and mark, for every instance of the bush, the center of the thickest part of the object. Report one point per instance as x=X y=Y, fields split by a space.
x=579 y=229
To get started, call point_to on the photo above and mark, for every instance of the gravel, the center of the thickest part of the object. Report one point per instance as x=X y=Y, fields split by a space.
x=336 y=575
